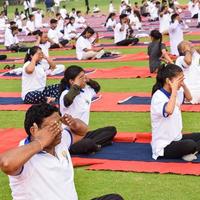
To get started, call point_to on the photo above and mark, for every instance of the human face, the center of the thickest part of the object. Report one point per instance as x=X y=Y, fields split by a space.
x=55 y=117
x=177 y=77
x=88 y=35
x=80 y=80
x=53 y=26
x=39 y=55
x=44 y=38
x=125 y=20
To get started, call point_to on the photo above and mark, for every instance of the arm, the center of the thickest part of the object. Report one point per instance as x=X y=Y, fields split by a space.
x=187 y=93
x=51 y=63
x=12 y=162
x=30 y=68
x=77 y=126
x=94 y=85
x=166 y=56
x=70 y=96
x=188 y=57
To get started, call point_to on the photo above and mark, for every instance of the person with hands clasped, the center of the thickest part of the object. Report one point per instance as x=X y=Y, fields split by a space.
x=34 y=89
x=41 y=167
x=167 y=96
x=76 y=93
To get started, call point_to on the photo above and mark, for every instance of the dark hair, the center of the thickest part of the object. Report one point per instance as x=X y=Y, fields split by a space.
x=14 y=28
x=12 y=23
x=173 y=17
x=36 y=114
x=58 y=14
x=70 y=74
x=89 y=30
x=30 y=16
x=157 y=36
x=164 y=72
x=77 y=12
x=70 y=20
x=53 y=21
x=31 y=52
x=109 y=16
x=122 y=16
x=73 y=9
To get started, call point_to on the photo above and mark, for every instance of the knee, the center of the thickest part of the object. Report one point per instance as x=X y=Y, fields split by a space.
x=191 y=146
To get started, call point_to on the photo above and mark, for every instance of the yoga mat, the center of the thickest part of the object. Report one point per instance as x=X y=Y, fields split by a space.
x=108 y=102
x=114 y=73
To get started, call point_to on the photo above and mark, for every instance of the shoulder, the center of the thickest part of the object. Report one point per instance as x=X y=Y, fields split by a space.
x=157 y=97
x=26 y=64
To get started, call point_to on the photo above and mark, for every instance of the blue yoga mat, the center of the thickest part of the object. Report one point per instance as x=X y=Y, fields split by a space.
x=129 y=152
x=18 y=100
x=136 y=100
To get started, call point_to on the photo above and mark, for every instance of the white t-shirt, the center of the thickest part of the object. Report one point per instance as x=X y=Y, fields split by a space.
x=164 y=23
x=30 y=25
x=55 y=35
x=80 y=20
x=60 y=25
x=45 y=176
x=81 y=44
x=111 y=23
x=80 y=108
x=111 y=8
x=68 y=35
x=32 y=3
x=45 y=48
x=34 y=81
x=26 y=5
x=134 y=21
x=175 y=36
x=120 y=35
x=165 y=128
x=57 y=3
x=191 y=74
x=9 y=38
x=193 y=8
x=38 y=20
x=2 y=23
x=63 y=12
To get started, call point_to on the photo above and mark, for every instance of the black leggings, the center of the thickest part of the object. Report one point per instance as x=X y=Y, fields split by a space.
x=94 y=140
x=18 y=48
x=63 y=42
x=37 y=32
x=127 y=42
x=109 y=197
x=189 y=144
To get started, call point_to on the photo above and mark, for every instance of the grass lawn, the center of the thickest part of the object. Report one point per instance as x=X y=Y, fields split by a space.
x=132 y=186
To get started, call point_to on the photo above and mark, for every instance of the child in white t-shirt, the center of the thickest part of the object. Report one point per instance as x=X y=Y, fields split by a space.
x=63 y=12
x=111 y=7
x=111 y=22
x=164 y=19
x=70 y=32
x=84 y=49
x=30 y=26
x=80 y=21
x=38 y=19
x=73 y=13
x=3 y=20
x=166 y=121
x=96 y=9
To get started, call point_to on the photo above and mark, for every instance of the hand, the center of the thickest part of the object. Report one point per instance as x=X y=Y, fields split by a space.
x=68 y=120
x=36 y=56
x=176 y=83
x=60 y=45
x=45 y=136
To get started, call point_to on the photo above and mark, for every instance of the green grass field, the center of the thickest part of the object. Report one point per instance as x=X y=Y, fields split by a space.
x=132 y=186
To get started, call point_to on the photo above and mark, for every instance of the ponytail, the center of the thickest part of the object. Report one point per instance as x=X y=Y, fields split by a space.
x=109 y=16
x=31 y=52
x=164 y=72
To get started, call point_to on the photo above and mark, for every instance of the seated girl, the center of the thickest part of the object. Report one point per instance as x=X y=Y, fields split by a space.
x=76 y=93
x=84 y=49
x=34 y=89
x=157 y=51
x=111 y=22
x=166 y=121
x=123 y=32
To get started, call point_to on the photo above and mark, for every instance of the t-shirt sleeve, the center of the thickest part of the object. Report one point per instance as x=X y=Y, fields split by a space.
x=67 y=138
x=181 y=62
x=158 y=106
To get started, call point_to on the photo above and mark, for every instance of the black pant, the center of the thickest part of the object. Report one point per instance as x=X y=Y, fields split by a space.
x=190 y=143
x=109 y=197
x=94 y=140
x=27 y=13
x=127 y=42
x=18 y=48
x=195 y=16
x=55 y=46
x=3 y=57
x=37 y=32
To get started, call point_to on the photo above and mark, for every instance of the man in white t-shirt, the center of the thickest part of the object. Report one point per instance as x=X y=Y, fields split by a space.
x=41 y=167
x=63 y=12
x=38 y=19
x=189 y=61
x=30 y=26
x=121 y=36
x=55 y=36
x=193 y=7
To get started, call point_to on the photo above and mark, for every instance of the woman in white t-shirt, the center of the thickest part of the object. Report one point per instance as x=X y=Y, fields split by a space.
x=34 y=89
x=121 y=32
x=84 y=49
x=111 y=22
x=166 y=121
x=164 y=19
x=80 y=21
x=76 y=93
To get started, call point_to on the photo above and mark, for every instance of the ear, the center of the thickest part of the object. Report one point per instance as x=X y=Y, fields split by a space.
x=33 y=129
x=167 y=80
x=71 y=82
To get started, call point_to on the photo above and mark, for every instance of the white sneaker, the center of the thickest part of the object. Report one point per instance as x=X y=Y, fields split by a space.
x=189 y=157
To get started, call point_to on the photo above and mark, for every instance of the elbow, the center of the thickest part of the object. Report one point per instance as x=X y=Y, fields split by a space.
x=188 y=62
x=28 y=71
x=6 y=166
